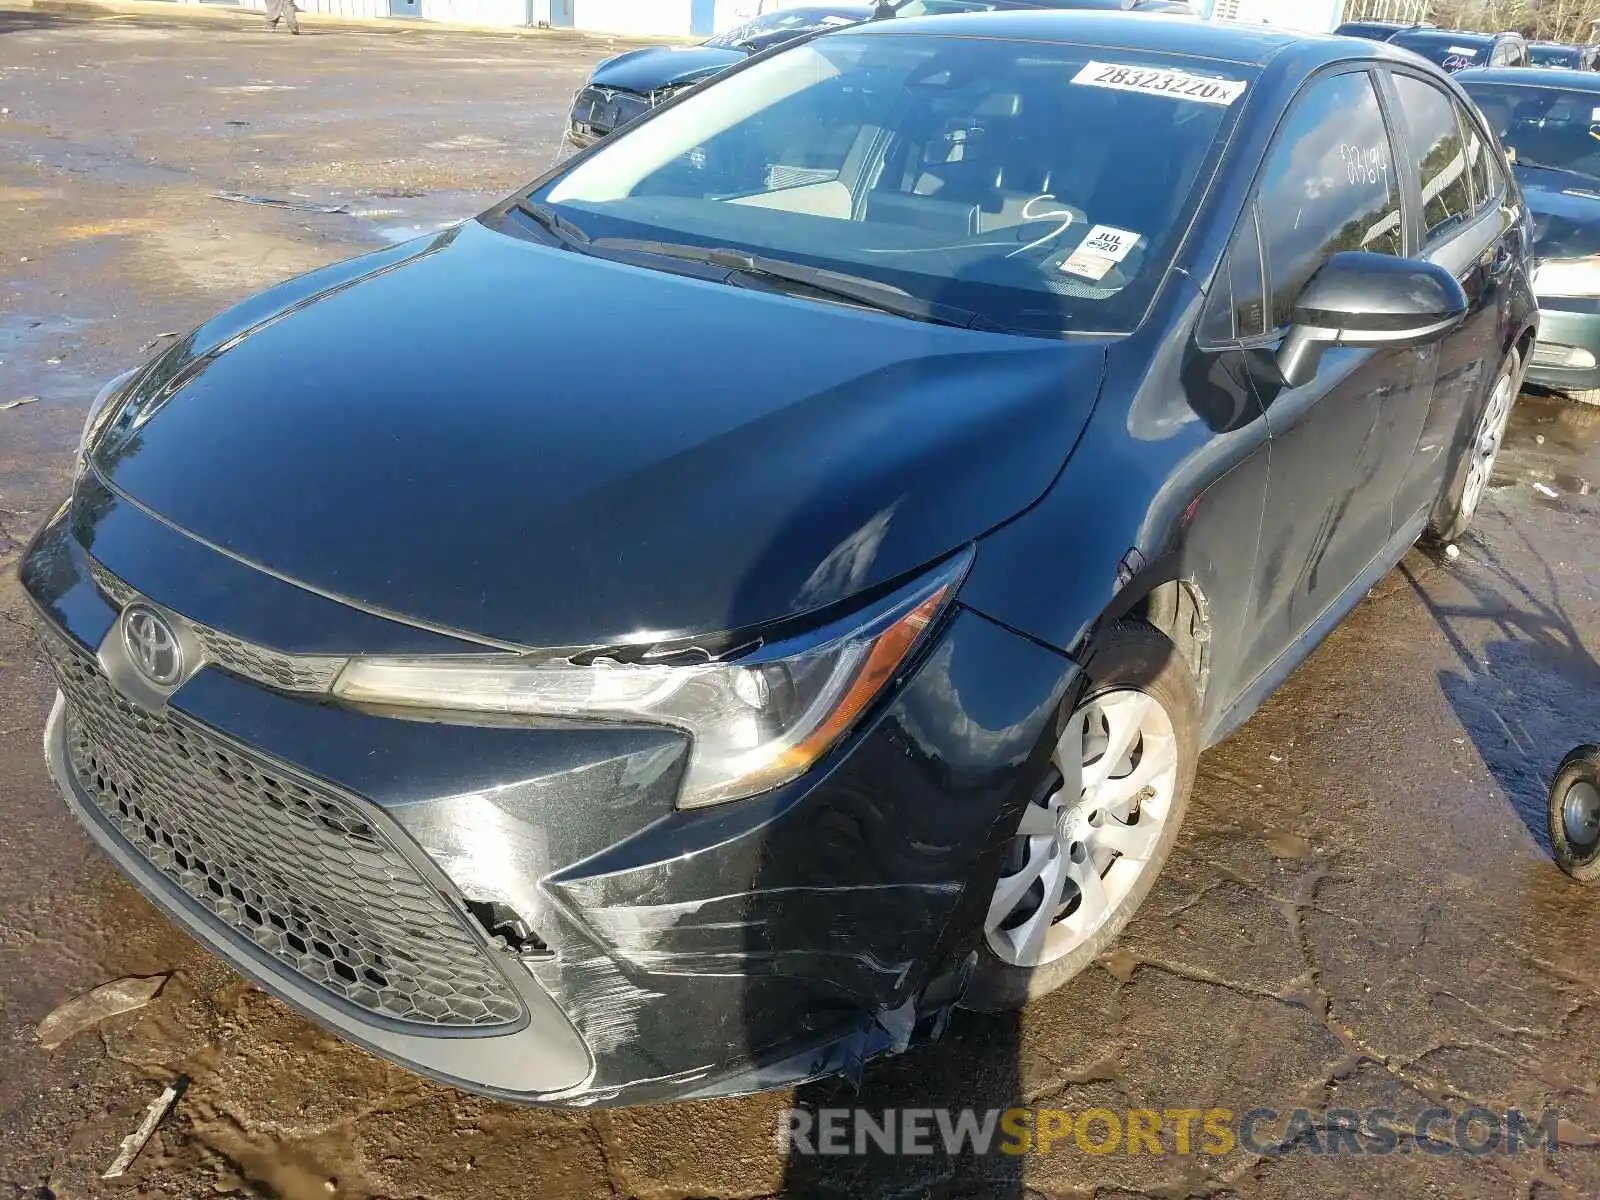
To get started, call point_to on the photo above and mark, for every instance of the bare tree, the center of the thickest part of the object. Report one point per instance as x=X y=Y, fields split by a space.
x=1547 y=20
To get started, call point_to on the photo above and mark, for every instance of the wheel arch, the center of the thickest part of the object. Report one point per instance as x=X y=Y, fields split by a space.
x=1175 y=605
x=1523 y=344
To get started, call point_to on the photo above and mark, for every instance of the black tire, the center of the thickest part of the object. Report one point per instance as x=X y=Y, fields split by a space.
x=1133 y=656
x=1579 y=858
x=1448 y=520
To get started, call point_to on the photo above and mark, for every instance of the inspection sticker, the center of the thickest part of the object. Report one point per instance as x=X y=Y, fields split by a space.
x=1115 y=244
x=1098 y=253
x=1159 y=81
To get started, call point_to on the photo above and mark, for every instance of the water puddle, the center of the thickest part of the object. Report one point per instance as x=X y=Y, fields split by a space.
x=1551 y=455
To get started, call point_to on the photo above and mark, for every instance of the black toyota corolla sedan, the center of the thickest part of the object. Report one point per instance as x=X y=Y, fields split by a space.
x=769 y=581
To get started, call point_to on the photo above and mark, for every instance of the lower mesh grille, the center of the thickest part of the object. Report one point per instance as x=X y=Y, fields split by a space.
x=294 y=867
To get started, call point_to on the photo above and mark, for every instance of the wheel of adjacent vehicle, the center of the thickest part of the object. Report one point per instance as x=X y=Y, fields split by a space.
x=1454 y=513
x=1575 y=814
x=1101 y=823
x=1590 y=397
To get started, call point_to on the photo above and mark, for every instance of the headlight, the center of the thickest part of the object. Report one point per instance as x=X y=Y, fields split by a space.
x=98 y=409
x=755 y=724
x=1570 y=277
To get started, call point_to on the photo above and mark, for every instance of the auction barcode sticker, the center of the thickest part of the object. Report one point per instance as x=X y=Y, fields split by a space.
x=1160 y=81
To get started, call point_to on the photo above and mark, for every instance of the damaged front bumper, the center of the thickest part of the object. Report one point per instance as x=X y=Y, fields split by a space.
x=587 y=942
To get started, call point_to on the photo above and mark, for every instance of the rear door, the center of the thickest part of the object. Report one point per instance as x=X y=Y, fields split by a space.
x=1467 y=226
x=1328 y=184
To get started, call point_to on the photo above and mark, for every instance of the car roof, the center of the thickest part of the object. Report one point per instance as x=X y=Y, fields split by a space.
x=1534 y=77
x=1237 y=43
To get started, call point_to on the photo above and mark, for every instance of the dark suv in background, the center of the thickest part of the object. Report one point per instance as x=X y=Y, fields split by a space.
x=1456 y=50
x=1559 y=54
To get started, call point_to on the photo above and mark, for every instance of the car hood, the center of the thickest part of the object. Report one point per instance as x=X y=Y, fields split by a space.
x=1565 y=206
x=663 y=66
x=541 y=448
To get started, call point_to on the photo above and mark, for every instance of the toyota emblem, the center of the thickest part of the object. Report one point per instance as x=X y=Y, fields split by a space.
x=152 y=645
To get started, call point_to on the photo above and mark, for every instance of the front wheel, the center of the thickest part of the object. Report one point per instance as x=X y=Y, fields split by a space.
x=1457 y=508
x=1101 y=823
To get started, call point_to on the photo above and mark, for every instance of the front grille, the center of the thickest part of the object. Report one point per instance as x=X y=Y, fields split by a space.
x=271 y=668
x=286 y=672
x=296 y=867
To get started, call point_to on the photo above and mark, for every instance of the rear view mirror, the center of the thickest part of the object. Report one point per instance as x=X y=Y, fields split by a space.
x=1362 y=299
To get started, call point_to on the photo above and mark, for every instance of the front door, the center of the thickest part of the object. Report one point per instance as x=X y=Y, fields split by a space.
x=1329 y=184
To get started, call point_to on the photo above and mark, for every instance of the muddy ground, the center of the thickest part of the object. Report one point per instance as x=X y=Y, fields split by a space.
x=1361 y=912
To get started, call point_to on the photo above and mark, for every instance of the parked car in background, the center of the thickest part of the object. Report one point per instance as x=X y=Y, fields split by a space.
x=577 y=722
x=1455 y=50
x=1549 y=121
x=1559 y=54
x=624 y=88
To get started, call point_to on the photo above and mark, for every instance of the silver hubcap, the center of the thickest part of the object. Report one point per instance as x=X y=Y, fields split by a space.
x=1580 y=815
x=1080 y=850
x=1486 y=445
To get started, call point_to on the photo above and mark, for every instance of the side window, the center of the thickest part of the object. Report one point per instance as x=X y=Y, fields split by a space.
x=1430 y=118
x=1328 y=185
x=1485 y=180
x=1238 y=307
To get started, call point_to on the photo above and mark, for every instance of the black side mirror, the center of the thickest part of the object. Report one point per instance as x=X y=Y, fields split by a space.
x=1362 y=299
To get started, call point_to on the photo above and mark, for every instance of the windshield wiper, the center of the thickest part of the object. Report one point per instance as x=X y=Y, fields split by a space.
x=836 y=285
x=1544 y=166
x=548 y=219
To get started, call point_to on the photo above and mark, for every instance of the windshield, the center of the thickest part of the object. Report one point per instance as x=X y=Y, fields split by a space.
x=796 y=21
x=1452 y=51
x=1555 y=56
x=1551 y=127
x=1043 y=187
